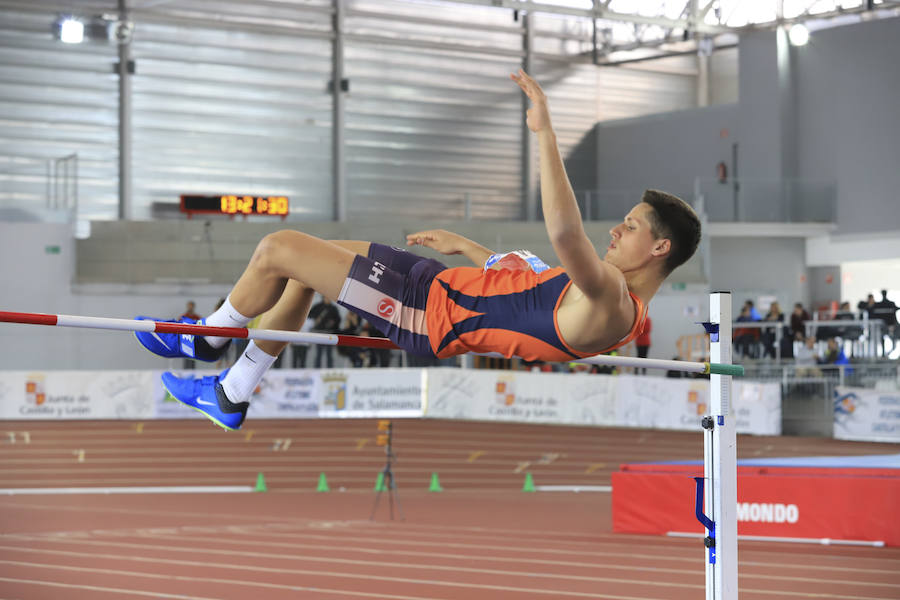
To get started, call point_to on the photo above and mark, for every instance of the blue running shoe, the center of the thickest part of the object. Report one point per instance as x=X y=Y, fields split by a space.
x=206 y=395
x=178 y=345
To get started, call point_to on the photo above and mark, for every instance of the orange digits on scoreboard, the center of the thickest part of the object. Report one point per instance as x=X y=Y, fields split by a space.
x=232 y=204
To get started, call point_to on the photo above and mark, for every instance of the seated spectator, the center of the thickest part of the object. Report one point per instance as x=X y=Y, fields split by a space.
x=834 y=355
x=754 y=314
x=805 y=359
x=746 y=338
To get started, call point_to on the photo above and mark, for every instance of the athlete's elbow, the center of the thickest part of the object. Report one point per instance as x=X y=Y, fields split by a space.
x=565 y=237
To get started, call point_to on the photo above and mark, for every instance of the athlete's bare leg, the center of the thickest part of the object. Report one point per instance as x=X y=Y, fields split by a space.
x=292 y=306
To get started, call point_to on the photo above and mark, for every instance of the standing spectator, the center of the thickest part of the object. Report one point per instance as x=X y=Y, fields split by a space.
x=224 y=360
x=844 y=312
x=299 y=351
x=326 y=319
x=798 y=316
x=847 y=332
x=190 y=312
x=868 y=305
x=351 y=326
x=254 y=324
x=642 y=343
x=768 y=334
x=378 y=357
x=886 y=310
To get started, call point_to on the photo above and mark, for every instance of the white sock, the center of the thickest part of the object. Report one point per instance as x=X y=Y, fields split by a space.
x=225 y=316
x=246 y=373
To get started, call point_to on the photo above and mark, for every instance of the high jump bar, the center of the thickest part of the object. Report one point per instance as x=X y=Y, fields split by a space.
x=325 y=339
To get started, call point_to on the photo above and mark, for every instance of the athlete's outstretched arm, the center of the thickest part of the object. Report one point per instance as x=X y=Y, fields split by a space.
x=561 y=214
x=447 y=242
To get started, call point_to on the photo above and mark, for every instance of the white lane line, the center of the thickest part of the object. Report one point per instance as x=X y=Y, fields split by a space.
x=291 y=524
x=573 y=488
x=183 y=489
x=265 y=532
x=644 y=567
x=298 y=588
x=381 y=539
x=319 y=548
x=333 y=560
x=532 y=576
x=261 y=531
x=781 y=593
x=145 y=512
x=314 y=573
x=96 y=588
x=381 y=542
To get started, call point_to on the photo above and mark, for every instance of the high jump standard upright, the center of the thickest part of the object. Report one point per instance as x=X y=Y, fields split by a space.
x=720 y=462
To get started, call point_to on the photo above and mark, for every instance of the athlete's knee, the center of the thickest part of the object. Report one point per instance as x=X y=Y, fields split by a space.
x=273 y=249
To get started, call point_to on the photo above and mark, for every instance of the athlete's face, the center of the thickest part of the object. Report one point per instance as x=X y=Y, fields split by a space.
x=633 y=244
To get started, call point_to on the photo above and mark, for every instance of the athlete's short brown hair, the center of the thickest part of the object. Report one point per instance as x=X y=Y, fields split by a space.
x=673 y=219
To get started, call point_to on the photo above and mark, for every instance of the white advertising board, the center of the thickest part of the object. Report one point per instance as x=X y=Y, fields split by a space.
x=866 y=415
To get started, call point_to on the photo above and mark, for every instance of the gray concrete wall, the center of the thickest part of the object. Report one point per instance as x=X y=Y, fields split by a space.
x=665 y=151
x=823 y=113
x=754 y=267
x=848 y=94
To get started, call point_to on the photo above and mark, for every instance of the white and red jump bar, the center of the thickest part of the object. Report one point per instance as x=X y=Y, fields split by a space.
x=326 y=339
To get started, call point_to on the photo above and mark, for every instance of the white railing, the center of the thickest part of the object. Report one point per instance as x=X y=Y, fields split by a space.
x=34 y=184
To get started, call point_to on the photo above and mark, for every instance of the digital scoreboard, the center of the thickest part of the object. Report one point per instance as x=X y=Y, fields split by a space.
x=236 y=204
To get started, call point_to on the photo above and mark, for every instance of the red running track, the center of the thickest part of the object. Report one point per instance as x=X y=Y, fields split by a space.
x=480 y=538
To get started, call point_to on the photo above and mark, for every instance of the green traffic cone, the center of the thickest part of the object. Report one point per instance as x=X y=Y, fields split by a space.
x=435 y=484
x=323 y=483
x=379 y=483
x=261 y=484
x=529 y=484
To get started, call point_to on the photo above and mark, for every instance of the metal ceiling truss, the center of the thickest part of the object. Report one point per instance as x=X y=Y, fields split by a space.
x=689 y=31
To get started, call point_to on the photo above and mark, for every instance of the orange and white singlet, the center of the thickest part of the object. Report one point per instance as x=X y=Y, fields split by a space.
x=511 y=312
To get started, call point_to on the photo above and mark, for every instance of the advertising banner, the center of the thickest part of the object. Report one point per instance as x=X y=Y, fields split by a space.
x=381 y=393
x=661 y=403
x=757 y=407
x=65 y=395
x=866 y=415
x=664 y=403
x=311 y=394
x=521 y=397
x=485 y=395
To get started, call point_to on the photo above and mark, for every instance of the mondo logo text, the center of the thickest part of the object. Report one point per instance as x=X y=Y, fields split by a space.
x=767 y=513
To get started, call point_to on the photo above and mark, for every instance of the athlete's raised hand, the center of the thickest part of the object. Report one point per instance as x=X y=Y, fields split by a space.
x=443 y=241
x=447 y=242
x=539 y=113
